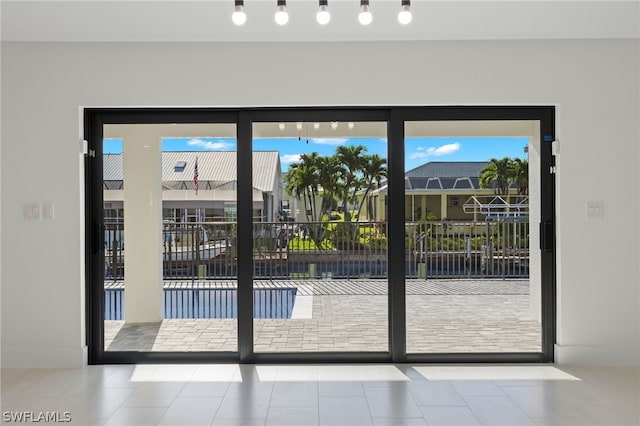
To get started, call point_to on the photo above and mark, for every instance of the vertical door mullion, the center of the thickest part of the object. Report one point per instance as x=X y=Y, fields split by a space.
x=245 y=238
x=93 y=227
x=547 y=214
x=395 y=245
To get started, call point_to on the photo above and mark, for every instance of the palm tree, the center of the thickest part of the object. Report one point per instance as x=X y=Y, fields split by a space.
x=497 y=175
x=329 y=180
x=373 y=170
x=520 y=175
x=337 y=178
x=301 y=181
x=350 y=159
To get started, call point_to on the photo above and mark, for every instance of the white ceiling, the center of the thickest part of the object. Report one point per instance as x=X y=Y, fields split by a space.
x=210 y=20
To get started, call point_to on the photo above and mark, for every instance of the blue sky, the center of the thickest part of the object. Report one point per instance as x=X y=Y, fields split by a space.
x=417 y=150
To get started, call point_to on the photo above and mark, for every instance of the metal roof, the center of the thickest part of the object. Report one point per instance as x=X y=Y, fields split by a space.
x=216 y=167
x=112 y=167
x=437 y=183
x=448 y=169
x=434 y=183
x=443 y=175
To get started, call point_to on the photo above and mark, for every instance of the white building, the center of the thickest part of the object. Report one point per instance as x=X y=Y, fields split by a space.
x=216 y=198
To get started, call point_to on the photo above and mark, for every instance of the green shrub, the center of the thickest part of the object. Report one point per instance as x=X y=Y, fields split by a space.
x=299 y=244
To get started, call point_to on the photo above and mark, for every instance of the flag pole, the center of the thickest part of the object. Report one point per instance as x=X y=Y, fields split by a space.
x=195 y=175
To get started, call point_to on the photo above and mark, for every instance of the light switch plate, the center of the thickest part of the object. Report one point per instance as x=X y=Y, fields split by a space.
x=594 y=210
x=48 y=211
x=31 y=211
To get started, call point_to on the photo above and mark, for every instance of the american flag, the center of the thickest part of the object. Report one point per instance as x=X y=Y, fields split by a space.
x=195 y=176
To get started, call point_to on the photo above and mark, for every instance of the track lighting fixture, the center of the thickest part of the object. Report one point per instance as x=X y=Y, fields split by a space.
x=282 y=17
x=323 y=16
x=404 y=17
x=239 y=17
x=365 y=17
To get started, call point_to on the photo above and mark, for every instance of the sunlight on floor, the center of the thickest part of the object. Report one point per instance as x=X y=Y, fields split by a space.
x=330 y=373
x=524 y=372
x=187 y=372
x=339 y=373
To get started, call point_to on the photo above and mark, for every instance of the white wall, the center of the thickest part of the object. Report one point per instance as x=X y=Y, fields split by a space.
x=594 y=83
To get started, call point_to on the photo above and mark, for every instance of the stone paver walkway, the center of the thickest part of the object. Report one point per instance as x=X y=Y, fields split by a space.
x=357 y=287
x=442 y=316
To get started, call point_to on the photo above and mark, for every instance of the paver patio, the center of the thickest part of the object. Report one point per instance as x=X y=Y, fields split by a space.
x=442 y=316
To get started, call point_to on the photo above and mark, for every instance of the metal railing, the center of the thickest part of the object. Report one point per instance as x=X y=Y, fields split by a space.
x=199 y=249
x=190 y=250
x=326 y=250
x=320 y=250
x=467 y=249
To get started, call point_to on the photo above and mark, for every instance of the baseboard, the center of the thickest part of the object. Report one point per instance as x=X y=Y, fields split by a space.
x=569 y=355
x=597 y=355
x=44 y=357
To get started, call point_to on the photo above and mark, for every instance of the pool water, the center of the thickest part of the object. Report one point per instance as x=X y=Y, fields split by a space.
x=270 y=303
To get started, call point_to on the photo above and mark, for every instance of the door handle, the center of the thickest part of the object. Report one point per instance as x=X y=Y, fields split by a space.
x=547 y=236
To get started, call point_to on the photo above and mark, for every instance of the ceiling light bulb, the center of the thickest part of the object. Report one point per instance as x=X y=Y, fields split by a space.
x=281 y=126
x=323 y=16
x=316 y=126
x=334 y=125
x=239 y=17
x=365 y=17
x=404 y=17
x=299 y=125
x=282 y=17
x=351 y=125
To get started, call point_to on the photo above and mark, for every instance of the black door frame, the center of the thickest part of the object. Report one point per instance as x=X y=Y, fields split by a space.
x=96 y=118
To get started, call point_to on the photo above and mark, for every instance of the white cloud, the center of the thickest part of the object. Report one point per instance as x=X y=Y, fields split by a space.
x=210 y=146
x=289 y=158
x=447 y=149
x=329 y=141
x=419 y=154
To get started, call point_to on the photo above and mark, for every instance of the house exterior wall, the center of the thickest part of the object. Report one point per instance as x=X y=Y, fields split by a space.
x=419 y=204
x=594 y=84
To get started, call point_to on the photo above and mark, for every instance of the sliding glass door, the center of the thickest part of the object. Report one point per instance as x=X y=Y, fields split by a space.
x=170 y=276
x=472 y=200
x=383 y=234
x=319 y=236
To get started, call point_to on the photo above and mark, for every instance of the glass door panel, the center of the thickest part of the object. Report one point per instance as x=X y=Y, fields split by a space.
x=170 y=274
x=319 y=237
x=472 y=264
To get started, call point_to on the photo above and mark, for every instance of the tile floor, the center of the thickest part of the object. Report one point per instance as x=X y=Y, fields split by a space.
x=300 y=395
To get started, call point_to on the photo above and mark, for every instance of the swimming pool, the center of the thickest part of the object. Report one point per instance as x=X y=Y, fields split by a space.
x=270 y=303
